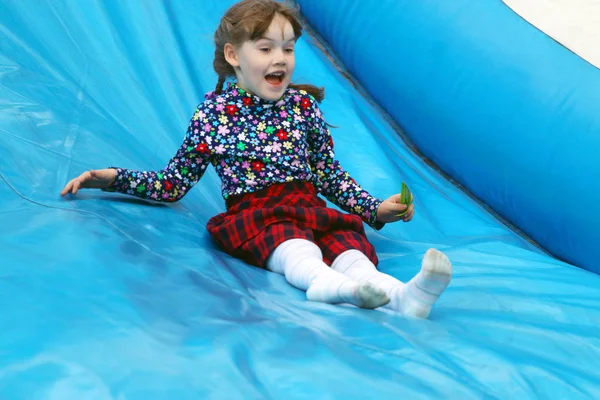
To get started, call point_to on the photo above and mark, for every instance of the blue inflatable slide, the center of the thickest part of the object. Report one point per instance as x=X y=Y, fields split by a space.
x=493 y=125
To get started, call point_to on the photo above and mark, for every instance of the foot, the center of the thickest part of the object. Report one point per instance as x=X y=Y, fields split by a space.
x=363 y=295
x=369 y=296
x=426 y=287
x=436 y=263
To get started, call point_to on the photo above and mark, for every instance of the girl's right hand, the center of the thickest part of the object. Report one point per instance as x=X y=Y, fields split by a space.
x=93 y=179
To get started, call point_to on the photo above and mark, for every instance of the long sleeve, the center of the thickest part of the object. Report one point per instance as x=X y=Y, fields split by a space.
x=329 y=177
x=182 y=172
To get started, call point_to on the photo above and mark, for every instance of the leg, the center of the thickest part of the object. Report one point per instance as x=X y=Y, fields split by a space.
x=301 y=262
x=415 y=298
x=336 y=242
x=257 y=250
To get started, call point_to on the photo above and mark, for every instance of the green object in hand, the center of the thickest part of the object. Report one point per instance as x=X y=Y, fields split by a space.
x=406 y=197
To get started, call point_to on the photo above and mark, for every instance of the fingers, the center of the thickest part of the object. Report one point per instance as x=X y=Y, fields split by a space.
x=395 y=198
x=399 y=208
x=67 y=188
x=395 y=207
x=409 y=214
x=88 y=179
x=82 y=181
x=70 y=187
x=75 y=184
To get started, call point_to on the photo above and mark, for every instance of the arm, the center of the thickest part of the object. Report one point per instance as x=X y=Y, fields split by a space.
x=329 y=177
x=182 y=172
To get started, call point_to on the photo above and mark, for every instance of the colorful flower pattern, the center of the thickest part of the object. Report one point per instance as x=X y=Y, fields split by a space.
x=253 y=143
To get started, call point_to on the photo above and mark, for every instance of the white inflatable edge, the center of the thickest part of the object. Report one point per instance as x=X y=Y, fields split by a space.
x=573 y=23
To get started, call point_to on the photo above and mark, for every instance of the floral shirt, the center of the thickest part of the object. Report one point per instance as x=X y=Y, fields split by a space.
x=253 y=143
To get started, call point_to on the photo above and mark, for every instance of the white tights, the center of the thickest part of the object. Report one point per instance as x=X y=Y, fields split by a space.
x=301 y=262
x=352 y=278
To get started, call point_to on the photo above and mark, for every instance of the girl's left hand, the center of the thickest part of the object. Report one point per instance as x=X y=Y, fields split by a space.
x=388 y=210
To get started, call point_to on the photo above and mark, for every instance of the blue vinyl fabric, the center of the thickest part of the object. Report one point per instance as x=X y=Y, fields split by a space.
x=104 y=296
x=495 y=103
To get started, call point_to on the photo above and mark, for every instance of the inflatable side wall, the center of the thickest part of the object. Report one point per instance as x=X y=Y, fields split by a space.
x=494 y=102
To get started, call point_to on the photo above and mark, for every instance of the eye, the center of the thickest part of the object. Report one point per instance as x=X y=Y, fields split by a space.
x=290 y=50
x=265 y=49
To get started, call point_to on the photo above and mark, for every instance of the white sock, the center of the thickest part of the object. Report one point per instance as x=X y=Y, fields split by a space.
x=415 y=298
x=301 y=262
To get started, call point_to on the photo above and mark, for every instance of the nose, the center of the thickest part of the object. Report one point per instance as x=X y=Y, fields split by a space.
x=280 y=58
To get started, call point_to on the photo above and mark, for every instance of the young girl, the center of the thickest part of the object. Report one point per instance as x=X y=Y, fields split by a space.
x=270 y=146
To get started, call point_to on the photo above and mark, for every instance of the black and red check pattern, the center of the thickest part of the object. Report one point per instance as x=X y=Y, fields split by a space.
x=256 y=223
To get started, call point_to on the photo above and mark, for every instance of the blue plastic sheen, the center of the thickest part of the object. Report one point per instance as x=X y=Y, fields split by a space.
x=104 y=296
x=495 y=103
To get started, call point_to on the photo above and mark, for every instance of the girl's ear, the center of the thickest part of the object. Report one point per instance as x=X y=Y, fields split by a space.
x=231 y=55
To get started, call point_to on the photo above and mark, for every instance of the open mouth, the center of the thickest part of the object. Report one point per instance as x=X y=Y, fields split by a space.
x=275 y=78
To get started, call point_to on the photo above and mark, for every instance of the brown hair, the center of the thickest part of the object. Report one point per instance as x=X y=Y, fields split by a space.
x=249 y=20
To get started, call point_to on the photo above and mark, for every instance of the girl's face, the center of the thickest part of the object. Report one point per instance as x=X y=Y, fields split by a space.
x=264 y=67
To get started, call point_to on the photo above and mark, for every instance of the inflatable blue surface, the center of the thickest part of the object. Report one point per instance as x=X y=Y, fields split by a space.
x=104 y=296
x=495 y=103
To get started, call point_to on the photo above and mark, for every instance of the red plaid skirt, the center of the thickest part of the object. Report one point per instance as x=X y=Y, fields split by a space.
x=256 y=223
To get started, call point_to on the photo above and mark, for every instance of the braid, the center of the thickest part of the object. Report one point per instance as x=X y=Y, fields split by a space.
x=220 y=84
x=317 y=93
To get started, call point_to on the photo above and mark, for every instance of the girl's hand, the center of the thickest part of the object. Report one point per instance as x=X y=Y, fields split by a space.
x=388 y=210
x=96 y=179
